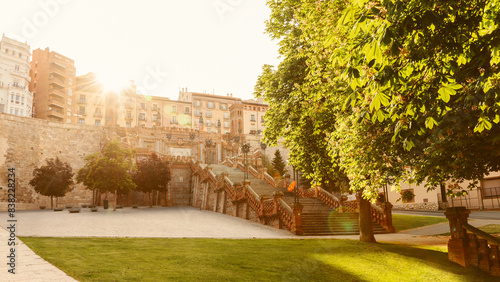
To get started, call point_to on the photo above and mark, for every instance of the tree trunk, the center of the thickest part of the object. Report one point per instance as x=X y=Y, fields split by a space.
x=166 y=197
x=51 y=202
x=150 y=200
x=116 y=199
x=365 y=221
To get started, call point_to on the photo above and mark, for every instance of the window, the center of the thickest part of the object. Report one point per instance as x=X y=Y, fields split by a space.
x=174 y=109
x=129 y=115
x=21 y=113
x=17 y=99
x=142 y=117
x=262 y=119
x=208 y=114
x=81 y=121
x=70 y=92
x=209 y=130
x=68 y=120
x=82 y=110
x=70 y=81
x=155 y=107
x=97 y=111
x=197 y=113
x=97 y=122
x=70 y=72
x=254 y=108
x=143 y=106
x=187 y=110
x=68 y=113
x=20 y=55
x=223 y=106
x=83 y=99
x=210 y=105
x=16 y=112
x=245 y=107
x=226 y=124
x=69 y=101
x=16 y=67
x=128 y=125
x=173 y=120
x=208 y=122
x=226 y=115
x=252 y=118
x=197 y=103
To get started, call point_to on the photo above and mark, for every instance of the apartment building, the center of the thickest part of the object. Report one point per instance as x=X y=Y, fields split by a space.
x=247 y=117
x=15 y=96
x=53 y=78
x=210 y=112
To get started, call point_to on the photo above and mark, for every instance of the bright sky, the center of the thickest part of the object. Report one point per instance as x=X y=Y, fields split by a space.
x=163 y=45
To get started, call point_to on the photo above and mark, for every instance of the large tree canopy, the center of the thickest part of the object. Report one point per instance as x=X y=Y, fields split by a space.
x=385 y=91
x=109 y=171
x=153 y=174
x=54 y=179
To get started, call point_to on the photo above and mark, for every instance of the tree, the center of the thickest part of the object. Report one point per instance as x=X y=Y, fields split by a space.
x=278 y=163
x=82 y=176
x=110 y=172
x=153 y=174
x=54 y=179
x=376 y=87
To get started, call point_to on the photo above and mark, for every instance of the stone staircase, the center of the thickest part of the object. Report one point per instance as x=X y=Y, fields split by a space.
x=318 y=219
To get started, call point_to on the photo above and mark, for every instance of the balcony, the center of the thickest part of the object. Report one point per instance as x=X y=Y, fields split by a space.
x=98 y=114
x=21 y=74
x=56 y=102
x=82 y=101
x=57 y=65
x=56 y=114
x=57 y=93
x=128 y=117
x=57 y=71
x=198 y=114
x=57 y=82
x=82 y=113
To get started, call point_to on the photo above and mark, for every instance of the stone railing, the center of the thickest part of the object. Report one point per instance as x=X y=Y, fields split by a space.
x=252 y=198
x=328 y=198
x=228 y=185
x=254 y=172
x=475 y=248
x=240 y=166
x=308 y=193
x=383 y=216
x=269 y=179
x=285 y=213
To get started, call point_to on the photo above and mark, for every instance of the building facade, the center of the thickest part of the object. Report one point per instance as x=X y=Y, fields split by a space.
x=210 y=112
x=53 y=78
x=247 y=117
x=15 y=96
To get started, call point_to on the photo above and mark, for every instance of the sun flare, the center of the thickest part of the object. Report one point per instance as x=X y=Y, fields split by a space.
x=113 y=82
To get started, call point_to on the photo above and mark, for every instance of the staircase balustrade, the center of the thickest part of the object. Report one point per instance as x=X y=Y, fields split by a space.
x=285 y=213
x=476 y=248
x=308 y=193
x=269 y=179
x=383 y=216
x=328 y=198
x=254 y=172
x=252 y=198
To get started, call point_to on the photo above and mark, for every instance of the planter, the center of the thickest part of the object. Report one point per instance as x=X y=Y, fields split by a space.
x=93 y=209
x=69 y=206
x=58 y=209
x=119 y=207
x=42 y=207
x=134 y=206
x=74 y=210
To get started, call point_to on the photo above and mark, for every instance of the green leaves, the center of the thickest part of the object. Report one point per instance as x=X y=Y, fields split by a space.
x=448 y=90
x=430 y=122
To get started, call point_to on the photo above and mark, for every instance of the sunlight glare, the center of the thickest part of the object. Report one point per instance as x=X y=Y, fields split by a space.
x=111 y=81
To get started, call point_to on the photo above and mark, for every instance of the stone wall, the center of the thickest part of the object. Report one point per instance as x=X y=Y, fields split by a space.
x=25 y=143
x=417 y=206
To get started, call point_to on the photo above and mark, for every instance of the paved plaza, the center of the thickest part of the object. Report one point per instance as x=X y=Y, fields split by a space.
x=159 y=222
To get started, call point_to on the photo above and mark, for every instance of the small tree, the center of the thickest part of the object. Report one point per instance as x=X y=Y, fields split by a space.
x=53 y=179
x=109 y=172
x=153 y=174
x=83 y=173
x=278 y=163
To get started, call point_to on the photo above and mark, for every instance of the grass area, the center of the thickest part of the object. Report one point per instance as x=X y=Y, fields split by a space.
x=135 y=259
x=404 y=222
x=490 y=228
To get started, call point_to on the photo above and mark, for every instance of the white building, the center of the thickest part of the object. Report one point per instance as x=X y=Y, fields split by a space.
x=15 y=98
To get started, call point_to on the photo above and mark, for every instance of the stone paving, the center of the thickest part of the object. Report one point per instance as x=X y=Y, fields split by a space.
x=173 y=222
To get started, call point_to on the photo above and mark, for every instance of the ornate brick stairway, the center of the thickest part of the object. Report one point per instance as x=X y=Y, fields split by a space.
x=321 y=214
x=318 y=219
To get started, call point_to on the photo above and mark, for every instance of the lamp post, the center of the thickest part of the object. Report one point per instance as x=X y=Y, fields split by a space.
x=245 y=148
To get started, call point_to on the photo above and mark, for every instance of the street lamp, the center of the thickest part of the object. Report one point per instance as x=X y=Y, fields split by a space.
x=245 y=148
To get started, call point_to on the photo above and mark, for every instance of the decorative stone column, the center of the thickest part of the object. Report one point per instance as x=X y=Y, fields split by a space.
x=387 y=207
x=297 y=219
x=458 y=250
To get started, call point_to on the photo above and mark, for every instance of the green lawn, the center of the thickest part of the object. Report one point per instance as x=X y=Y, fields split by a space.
x=404 y=222
x=132 y=259
x=491 y=228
